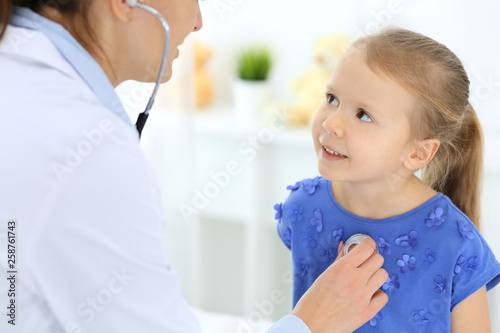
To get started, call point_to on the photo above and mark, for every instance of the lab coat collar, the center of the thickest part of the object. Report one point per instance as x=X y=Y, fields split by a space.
x=81 y=61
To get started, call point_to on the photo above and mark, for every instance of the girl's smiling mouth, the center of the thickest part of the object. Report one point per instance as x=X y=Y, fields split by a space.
x=331 y=154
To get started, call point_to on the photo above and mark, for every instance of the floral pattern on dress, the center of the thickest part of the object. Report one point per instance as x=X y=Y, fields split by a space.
x=436 y=218
x=427 y=240
x=301 y=267
x=309 y=185
x=337 y=234
x=317 y=220
x=310 y=237
x=409 y=239
x=326 y=253
x=473 y=264
x=375 y=320
x=440 y=284
x=459 y=264
x=384 y=247
x=295 y=213
x=422 y=317
x=466 y=230
x=406 y=263
x=427 y=258
x=294 y=187
x=392 y=284
x=279 y=211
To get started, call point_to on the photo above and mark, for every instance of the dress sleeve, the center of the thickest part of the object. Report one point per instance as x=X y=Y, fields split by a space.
x=283 y=226
x=475 y=266
x=285 y=214
x=291 y=212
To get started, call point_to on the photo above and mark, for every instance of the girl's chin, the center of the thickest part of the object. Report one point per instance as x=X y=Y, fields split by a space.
x=326 y=173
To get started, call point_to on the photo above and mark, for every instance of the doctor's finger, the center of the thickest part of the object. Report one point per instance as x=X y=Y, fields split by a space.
x=370 y=266
x=376 y=281
x=340 y=251
x=378 y=301
x=362 y=252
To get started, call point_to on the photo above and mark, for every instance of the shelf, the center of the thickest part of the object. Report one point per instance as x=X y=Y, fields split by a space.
x=221 y=121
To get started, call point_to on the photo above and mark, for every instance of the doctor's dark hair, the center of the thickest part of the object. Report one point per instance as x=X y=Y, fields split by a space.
x=5 y=8
x=436 y=78
x=69 y=8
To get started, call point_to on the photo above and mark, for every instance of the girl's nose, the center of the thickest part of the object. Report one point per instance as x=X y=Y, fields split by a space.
x=334 y=124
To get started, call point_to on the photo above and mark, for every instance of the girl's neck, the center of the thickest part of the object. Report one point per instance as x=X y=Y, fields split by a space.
x=382 y=201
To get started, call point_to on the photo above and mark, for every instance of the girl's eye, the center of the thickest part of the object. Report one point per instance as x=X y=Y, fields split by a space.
x=362 y=115
x=332 y=100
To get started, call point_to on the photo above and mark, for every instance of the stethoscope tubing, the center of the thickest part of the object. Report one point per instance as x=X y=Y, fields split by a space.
x=143 y=117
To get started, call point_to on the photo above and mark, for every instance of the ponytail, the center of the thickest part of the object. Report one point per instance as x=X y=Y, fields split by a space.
x=5 y=9
x=457 y=170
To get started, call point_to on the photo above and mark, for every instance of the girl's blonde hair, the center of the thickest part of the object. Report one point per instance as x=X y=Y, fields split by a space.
x=438 y=81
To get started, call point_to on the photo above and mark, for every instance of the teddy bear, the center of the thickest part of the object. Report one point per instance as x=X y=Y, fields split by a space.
x=310 y=87
x=204 y=86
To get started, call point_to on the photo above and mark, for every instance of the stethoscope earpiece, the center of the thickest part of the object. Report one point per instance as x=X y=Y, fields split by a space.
x=132 y=3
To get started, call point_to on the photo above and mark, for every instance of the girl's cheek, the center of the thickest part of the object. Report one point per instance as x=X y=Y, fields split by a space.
x=317 y=120
x=316 y=127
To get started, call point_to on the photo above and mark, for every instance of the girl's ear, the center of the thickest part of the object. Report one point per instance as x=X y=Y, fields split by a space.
x=422 y=154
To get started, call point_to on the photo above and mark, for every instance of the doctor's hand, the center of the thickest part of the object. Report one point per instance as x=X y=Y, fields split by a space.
x=347 y=294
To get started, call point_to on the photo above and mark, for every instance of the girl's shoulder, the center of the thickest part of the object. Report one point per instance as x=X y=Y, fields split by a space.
x=443 y=209
x=308 y=188
x=440 y=219
x=304 y=197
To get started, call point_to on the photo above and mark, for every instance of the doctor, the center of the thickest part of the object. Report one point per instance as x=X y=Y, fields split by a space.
x=78 y=195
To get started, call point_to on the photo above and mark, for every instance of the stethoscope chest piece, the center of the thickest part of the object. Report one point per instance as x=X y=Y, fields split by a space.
x=355 y=240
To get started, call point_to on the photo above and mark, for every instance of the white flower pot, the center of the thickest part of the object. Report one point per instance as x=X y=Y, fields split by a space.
x=250 y=99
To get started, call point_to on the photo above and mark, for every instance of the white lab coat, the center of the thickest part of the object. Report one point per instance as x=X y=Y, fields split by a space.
x=90 y=246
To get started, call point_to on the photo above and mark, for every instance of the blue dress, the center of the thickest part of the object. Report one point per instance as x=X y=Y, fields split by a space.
x=434 y=255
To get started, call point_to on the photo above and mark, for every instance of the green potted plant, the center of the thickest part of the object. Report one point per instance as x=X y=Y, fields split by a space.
x=251 y=89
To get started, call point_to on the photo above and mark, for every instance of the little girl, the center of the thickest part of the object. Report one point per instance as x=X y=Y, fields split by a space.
x=397 y=102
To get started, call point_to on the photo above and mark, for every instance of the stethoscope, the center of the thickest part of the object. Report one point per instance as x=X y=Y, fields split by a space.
x=143 y=117
x=355 y=240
